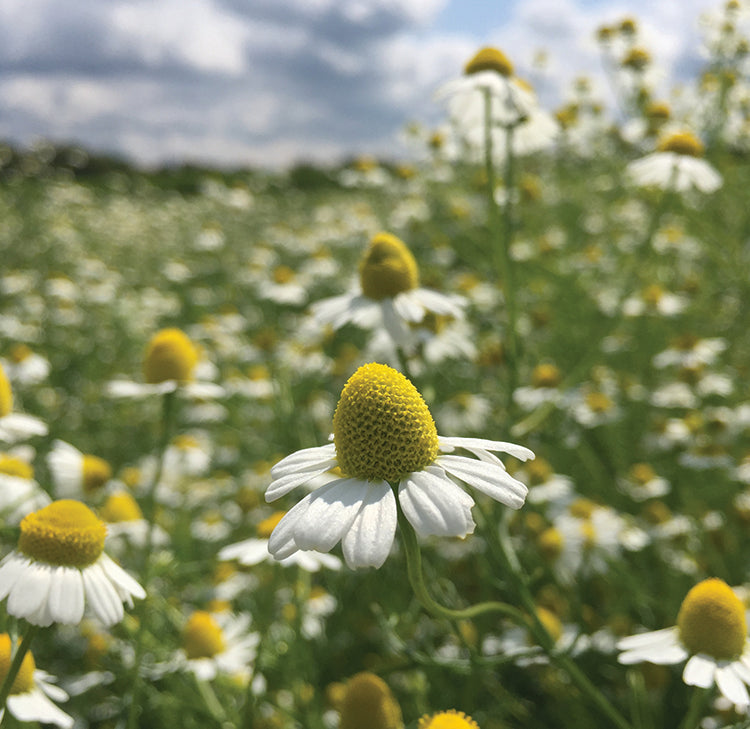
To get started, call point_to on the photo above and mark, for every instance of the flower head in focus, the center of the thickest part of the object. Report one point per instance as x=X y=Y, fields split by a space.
x=450 y=719
x=711 y=635
x=386 y=447
x=59 y=566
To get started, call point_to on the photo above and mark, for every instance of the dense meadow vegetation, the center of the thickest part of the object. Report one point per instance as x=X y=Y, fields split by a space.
x=589 y=311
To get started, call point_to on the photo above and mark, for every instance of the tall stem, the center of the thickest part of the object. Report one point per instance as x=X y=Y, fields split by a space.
x=15 y=665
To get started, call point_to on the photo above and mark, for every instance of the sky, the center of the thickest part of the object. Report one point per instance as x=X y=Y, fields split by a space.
x=276 y=82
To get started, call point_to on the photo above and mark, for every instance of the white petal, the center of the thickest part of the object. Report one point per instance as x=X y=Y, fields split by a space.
x=281 y=542
x=30 y=591
x=487 y=478
x=11 y=568
x=330 y=513
x=312 y=561
x=66 y=596
x=440 y=303
x=730 y=684
x=333 y=310
x=123 y=582
x=285 y=484
x=127 y=389
x=651 y=638
x=699 y=671
x=433 y=504
x=408 y=306
x=247 y=552
x=517 y=451
x=35 y=706
x=101 y=595
x=202 y=390
x=394 y=323
x=16 y=426
x=303 y=460
x=369 y=539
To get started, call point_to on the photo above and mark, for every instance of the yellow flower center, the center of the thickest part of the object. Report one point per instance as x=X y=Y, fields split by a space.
x=369 y=704
x=642 y=473
x=582 y=508
x=539 y=470
x=170 y=356
x=119 y=507
x=598 y=402
x=387 y=268
x=450 y=719
x=636 y=59
x=653 y=294
x=6 y=394
x=550 y=543
x=20 y=352
x=265 y=527
x=658 y=111
x=682 y=143
x=12 y=466
x=202 y=637
x=24 y=680
x=283 y=275
x=489 y=59
x=382 y=427
x=96 y=472
x=712 y=620
x=545 y=375
x=65 y=532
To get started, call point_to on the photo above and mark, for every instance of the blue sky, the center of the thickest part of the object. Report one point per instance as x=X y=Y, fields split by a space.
x=272 y=82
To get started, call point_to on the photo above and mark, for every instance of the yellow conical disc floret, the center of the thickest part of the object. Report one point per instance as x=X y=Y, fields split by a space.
x=170 y=356
x=96 y=472
x=451 y=719
x=6 y=394
x=712 y=620
x=202 y=637
x=66 y=533
x=682 y=143
x=120 y=506
x=382 y=427
x=368 y=703
x=489 y=59
x=387 y=268
x=24 y=680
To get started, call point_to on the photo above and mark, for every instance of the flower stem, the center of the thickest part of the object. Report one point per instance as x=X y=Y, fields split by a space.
x=416 y=579
x=698 y=702
x=15 y=665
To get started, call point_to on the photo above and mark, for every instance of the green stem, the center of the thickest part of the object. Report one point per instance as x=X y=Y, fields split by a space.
x=697 y=707
x=416 y=579
x=15 y=665
x=149 y=513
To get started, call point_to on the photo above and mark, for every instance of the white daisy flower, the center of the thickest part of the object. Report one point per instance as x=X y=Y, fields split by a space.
x=676 y=165
x=15 y=426
x=59 y=567
x=388 y=295
x=32 y=692
x=711 y=635
x=253 y=551
x=74 y=473
x=25 y=366
x=170 y=365
x=218 y=643
x=387 y=448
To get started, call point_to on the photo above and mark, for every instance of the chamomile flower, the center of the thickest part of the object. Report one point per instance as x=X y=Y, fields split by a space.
x=676 y=165
x=386 y=447
x=450 y=719
x=59 y=566
x=368 y=703
x=169 y=365
x=32 y=693
x=25 y=366
x=15 y=426
x=253 y=551
x=220 y=643
x=388 y=295
x=711 y=635
x=74 y=473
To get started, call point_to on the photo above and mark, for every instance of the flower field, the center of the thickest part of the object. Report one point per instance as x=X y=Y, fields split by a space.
x=437 y=444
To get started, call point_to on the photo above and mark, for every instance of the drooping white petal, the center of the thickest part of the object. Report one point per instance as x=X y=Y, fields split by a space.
x=30 y=591
x=435 y=505
x=439 y=303
x=476 y=444
x=66 y=596
x=283 y=485
x=699 y=671
x=101 y=595
x=369 y=539
x=334 y=310
x=730 y=684
x=312 y=561
x=123 y=582
x=43 y=682
x=11 y=568
x=281 y=542
x=307 y=458
x=331 y=511
x=662 y=647
x=651 y=638
x=487 y=478
x=408 y=306
x=394 y=323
